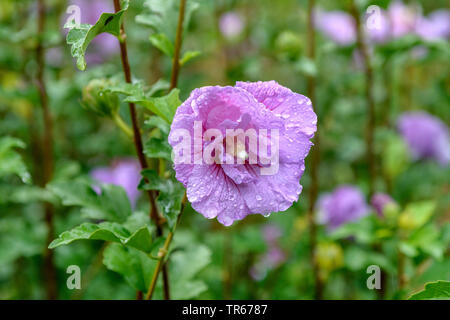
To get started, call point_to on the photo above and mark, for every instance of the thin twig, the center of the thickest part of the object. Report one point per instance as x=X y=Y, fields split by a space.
x=178 y=41
x=361 y=43
x=138 y=139
x=315 y=159
x=47 y=154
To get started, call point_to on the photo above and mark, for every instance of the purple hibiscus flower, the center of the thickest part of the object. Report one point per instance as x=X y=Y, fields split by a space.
x=103 y=45
x=435 y=26
x=124 y=173
x=231 y=24
x=345 y=204
x=425 y=135
x=379 y=202
x=243 y=181
x=339 y=26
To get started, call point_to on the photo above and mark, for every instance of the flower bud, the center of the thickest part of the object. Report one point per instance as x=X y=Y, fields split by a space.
x=97 y=99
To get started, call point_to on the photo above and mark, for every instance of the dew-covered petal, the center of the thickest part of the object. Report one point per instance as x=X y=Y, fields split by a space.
x=213 y=194
x=273 y=193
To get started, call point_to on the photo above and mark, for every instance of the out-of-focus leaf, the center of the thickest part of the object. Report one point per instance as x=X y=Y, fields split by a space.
x=134 y=265
x=362 y=230
x=188 y=56
x=80 y=36
x=416 y=214
x=162 y=16
x=161 y=41
x=170 y=195
x=439 y=290
x=395 y=156
x=186 y=260
x=111 y=204
x=10 y=161
x=21 y=236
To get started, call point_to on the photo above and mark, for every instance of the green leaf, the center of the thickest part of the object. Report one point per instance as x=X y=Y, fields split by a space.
x=416 y=214
x=363 y=230
x=141 y=239
x=158 y=148
x=165 y=106
x=439 y=290
x=395 y=156
x=161 y=41
x=188 y=56
x=107 y=231
x=186 y=260
x=10 y=161
x=170 y=194
x=162 y=16
x=134 y=265
x=157 y=122
x=111 y=204
x=79 y=37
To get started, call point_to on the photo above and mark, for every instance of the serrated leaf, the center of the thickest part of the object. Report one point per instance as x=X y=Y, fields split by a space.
x=165 y=106
x=134 y=265
x=107 y=231
x=111 y=204
x=439 y=290
x=170 y=194
x=157 y=122
x=158 y=148
x=141 y=239
x=10 y=161
x=188 y=56
x=161 y=41
x=80 y=36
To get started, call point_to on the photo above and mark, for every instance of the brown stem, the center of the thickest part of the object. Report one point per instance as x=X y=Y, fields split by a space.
x=47 y=154
x=138 y=141
x=361 y=43
x=178 y=41
x=313 y=191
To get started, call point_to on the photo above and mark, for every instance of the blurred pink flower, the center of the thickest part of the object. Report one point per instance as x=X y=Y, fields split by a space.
x=403 y=18
x=435 y=26
x=339 y=26
x=231 y=24
x=124 y=173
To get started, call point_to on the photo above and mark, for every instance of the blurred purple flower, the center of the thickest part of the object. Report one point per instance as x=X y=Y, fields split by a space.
x=339 y=26
x=105 y=44
x=426 y=136
x=403 y=18
x=271 y=233
x=379 y=201
x=435 y=26
x=124 y=173
x=380 y=32
x=273 y=257
x=231 y=24
x=345 y=204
